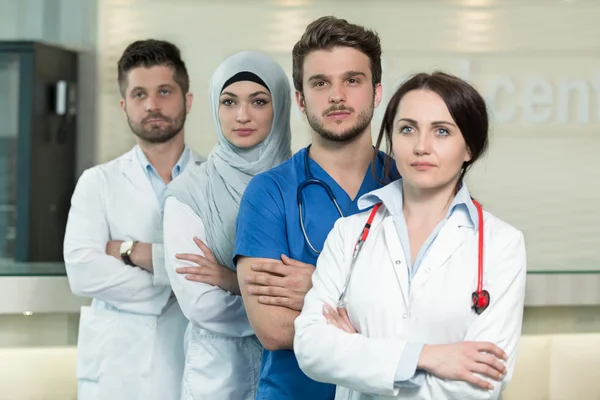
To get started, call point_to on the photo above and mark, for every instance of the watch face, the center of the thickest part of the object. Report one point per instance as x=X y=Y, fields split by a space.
x=125 y=246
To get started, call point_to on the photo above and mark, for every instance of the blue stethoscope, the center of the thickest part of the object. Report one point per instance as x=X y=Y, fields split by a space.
x=311 y=180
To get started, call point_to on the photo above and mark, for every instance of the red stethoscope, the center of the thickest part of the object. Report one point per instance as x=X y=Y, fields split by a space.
x=480 y=299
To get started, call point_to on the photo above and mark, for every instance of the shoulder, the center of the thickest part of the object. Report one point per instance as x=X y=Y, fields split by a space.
x=499 y=229
x=277 y=180
x=109 y=168
x=178 y=214
x=504 y=240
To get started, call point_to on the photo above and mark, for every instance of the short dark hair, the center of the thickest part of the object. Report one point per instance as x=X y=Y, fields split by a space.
x=466 y=106
x=150 y=53
x=326 y=33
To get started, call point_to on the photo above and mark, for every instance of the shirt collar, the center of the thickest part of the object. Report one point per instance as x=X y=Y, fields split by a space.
x=391 y=196
x=149 y=168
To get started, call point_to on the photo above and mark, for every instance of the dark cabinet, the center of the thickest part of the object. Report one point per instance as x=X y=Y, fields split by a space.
x=37 y=148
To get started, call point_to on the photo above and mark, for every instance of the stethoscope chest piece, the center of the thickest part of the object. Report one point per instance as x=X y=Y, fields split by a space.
x=480 y=301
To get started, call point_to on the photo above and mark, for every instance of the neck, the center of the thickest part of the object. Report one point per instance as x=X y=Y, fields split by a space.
x=426 y=204
x=163 y=156
x=346 y=157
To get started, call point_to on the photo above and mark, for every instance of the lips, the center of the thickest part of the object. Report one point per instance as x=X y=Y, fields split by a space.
x=155 y=120
x=244 y=131
x=422 y=166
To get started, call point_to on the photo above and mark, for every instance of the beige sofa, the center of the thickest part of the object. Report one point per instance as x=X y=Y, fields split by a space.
x=38 y=373
x=557 y=367
x=549 y=367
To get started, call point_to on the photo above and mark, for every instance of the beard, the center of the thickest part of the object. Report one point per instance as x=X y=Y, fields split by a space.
x=155 y=133
x=349 y=134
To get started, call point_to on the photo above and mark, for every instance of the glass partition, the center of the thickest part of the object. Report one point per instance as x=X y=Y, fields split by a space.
x=9 y=115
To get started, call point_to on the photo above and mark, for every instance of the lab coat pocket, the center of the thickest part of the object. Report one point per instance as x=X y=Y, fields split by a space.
x=95 y=333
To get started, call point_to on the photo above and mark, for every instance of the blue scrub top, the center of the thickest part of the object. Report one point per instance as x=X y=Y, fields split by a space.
x=268 y=225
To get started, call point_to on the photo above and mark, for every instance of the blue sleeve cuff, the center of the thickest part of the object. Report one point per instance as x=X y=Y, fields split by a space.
x=407 y=374
x=255 y=252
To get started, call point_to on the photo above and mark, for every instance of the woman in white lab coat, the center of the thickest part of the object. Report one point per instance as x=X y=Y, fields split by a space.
x=250 y=99
x=413 y=322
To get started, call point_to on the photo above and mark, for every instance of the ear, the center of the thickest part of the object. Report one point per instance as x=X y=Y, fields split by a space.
x=123 y=107
x=189 y=98
x=300 y=101
x=468 y=155
x=378 y=94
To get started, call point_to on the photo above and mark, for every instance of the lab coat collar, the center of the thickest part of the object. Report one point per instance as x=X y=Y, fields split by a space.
x=133 y=169
x=391 y=196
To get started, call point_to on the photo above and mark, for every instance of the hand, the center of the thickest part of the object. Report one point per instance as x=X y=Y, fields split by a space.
x=281 y=284
x=338 y=318
x=208 y=270
x=460 y=361
x=113 y=248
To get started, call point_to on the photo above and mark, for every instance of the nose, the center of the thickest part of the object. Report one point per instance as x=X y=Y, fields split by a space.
x=242 y=116
x=337 y=94
x=151 y=103
x=422 y=144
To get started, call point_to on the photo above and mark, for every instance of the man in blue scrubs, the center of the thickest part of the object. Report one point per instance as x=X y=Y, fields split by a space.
x=337 y=77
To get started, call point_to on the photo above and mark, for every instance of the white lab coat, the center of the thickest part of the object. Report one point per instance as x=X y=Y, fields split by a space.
x=130 y=343
x=436 y=309
x=223 y=355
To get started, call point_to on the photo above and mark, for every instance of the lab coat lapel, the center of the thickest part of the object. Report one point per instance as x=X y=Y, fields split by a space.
x=138 y=178
x=397 y=256
x=449 y=239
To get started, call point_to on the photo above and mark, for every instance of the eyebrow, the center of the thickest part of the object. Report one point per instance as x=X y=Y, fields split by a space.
x=164 y=85
x=345 y=75
x=254 y=94
x=412 y=121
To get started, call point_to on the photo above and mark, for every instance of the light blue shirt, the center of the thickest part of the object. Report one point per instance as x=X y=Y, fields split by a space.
x=157 y=182
x=392 y=198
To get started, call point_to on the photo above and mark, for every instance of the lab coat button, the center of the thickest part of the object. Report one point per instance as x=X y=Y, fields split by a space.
x=428 y=270
x=398 y=262
x=405 y=316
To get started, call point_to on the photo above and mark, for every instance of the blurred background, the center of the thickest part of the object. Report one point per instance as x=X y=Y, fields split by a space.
x=537 y=63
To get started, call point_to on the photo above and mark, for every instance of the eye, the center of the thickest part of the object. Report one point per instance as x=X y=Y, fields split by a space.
x=353 y=81
x=406 y=129
x=227 y=102
x=138 y=95
x=260 y=102
x=442 y=132
x=165 y=92
x=319 y=84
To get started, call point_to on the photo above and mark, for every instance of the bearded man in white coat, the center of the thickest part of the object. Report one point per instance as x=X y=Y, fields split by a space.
x=130 y=343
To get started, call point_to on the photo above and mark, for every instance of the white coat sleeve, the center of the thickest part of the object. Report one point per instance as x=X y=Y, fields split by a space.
x=328 y=354
x=158 y=264
x=206 y=306
x=93 y=273
x=500 y=323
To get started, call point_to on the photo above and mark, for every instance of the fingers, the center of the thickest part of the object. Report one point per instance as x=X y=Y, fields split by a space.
x=194 y=271
x=207 y=252
x=276 y=301
x=195 y=258
x=475 y=380
x=332 y=316
x=265 y=280
x=331 y=319
x=290 y=261
x=208 y=279
x=488 y=347
x=272 y=268
x=271 y=291
x=486 y=370
x=490 y=361
x=341 y=321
